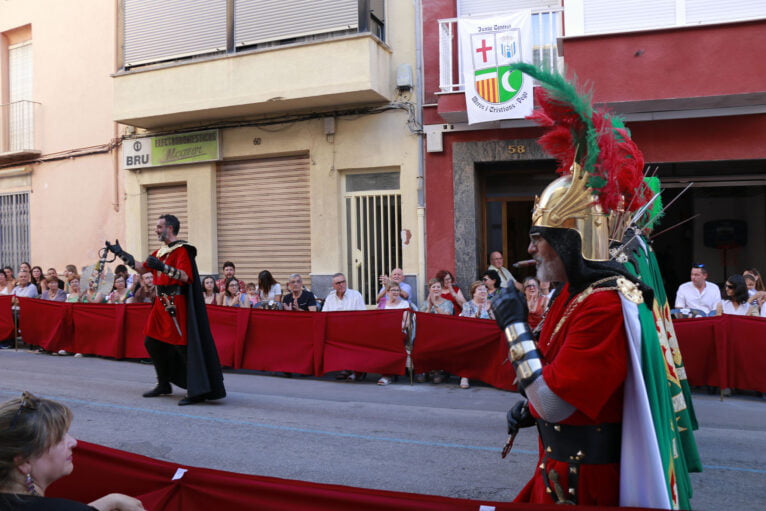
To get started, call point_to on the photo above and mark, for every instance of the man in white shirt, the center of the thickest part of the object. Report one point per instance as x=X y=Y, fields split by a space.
x=24 y=287
x=699 y=293
x=343 y=298
x=496 y=263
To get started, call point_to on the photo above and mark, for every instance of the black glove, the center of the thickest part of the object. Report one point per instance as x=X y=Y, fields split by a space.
x=519 y=417
x=117 y=250
x=510 y=306
x=155 y=264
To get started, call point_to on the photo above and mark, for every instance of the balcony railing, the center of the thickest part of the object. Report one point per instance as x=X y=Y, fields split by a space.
x=18 y=128
x=546 y=29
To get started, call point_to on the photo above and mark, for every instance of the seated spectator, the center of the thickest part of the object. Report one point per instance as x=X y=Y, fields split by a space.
x=120 y=292
x=9 y=276
x=26 y=267
x=6 y=286
x=536 y=302
x=74 y=289
x=147 y=291
x=436 y=303
x=228 y=273
x=52 y=290
x=450 y=291
x=344 y=299
x=24 y=287
x=92 y=294
x=491 y=279
x=251 y=289
x=759 y=285
x=268 y=288
x=299 y=298
x=736 y=294
x=51 y=273
x=750 y=283
x=37 y=278
x=232 y=296
x=209 y=291
x=69 y=270
x=699 y=293
x=122 y=270
x=397 y=275
x=478 y=307
x=36 y=450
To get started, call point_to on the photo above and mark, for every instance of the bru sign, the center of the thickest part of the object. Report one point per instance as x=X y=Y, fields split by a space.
x=177 y=149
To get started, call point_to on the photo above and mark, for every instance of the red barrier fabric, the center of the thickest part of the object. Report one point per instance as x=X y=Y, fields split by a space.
x=223 y=325
x=469 y=347
x=696 y=340
x=285 y=341
x=370 y=341
x=723 y=351
x=6 y=318
x=46 y=324
x=135 y=319
x=100 y=470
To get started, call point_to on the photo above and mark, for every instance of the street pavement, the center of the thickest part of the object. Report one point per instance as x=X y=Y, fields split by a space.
x=425 y=438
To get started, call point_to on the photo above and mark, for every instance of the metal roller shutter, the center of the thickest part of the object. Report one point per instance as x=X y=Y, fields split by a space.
x=164 y=200
x=268 y=20
x=157 y=31
x=264 y=217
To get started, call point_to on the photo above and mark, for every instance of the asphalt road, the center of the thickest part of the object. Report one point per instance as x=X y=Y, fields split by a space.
x=432 y=439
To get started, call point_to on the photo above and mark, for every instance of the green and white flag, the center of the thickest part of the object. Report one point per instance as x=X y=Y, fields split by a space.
x=488 y=46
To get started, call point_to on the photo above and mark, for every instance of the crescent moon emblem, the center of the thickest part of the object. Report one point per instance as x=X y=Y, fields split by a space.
x=504 y=81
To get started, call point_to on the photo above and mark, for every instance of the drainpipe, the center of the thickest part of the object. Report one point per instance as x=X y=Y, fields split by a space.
x=422 y=278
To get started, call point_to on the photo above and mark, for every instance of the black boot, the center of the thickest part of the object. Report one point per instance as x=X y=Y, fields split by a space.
x=159 y=390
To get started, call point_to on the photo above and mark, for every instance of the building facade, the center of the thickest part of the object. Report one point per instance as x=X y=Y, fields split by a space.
x=679 y=71
x=309 y=112
x=61 y=187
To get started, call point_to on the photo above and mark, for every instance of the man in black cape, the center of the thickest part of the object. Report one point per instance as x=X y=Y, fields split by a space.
x=177 y=331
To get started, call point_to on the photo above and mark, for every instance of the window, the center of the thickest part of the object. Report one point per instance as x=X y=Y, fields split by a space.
x=14 y=228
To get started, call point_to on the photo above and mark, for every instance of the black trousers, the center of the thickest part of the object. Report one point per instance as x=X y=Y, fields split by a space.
x=169 y=362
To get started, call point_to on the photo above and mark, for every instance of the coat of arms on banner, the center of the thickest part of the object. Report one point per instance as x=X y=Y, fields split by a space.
x=489 y=46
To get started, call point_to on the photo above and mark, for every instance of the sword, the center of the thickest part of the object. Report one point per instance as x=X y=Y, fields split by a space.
x=170 y=308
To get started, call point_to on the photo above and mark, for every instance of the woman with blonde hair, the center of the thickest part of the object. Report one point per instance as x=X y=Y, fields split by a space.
x=36 y=450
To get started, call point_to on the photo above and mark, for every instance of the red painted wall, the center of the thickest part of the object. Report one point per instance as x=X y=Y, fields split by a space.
x=709 y=139
x=673 y=63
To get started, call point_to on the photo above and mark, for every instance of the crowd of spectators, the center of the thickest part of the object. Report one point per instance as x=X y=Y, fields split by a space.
x=743 y=294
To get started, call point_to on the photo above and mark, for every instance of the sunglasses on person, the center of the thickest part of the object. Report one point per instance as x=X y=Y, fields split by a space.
x=698 y=266
x=730 y=286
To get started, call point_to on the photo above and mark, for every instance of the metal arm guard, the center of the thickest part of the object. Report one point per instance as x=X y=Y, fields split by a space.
x=173 y=273
x=523 y=354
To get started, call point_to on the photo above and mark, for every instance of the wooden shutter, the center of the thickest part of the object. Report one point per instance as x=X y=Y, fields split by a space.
x=264 y=217
x=164 y=200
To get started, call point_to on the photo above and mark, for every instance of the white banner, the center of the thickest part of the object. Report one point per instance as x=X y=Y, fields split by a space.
x=488 y=46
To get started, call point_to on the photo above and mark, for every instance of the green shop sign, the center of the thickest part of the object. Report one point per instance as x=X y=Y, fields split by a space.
x=178 y=149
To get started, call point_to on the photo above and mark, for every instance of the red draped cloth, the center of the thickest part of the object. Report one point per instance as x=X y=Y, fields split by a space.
x=100 y=470
x=474 y=348
x=370 y=341
x=723 y=351
x=6 y=318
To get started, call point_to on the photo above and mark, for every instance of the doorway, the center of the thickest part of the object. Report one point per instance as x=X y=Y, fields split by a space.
x=508 y=191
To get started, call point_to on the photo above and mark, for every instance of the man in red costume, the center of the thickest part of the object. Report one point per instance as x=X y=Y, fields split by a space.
x=573 y=377
x=177 y=332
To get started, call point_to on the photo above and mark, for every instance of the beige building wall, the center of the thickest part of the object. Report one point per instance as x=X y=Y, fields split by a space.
x=75 y=202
